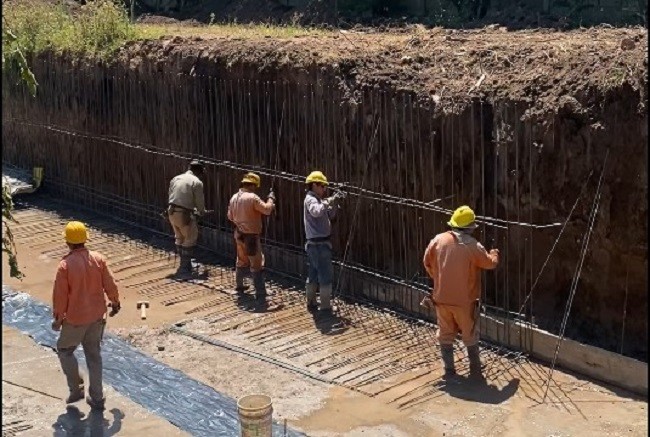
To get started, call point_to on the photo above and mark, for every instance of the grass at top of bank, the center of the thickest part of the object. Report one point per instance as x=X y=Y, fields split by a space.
x=236 y=30
x=99 y=28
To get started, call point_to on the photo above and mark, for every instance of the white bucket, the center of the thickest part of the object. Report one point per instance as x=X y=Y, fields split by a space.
x=255 y=416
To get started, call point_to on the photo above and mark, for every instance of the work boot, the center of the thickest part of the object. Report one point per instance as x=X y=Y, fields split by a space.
x=76 y=395
x=186 y=260
x=189 y=251
x=474 y=362
x=184 y=267
x=310 y=292
x=447 y=354
x=240 y=274
x=260 y=286
x=325 y=297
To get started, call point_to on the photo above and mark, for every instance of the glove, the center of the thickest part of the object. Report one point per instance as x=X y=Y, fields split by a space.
x=271 y=195
x=115 y=308
x=56 y=325
x=336 y=198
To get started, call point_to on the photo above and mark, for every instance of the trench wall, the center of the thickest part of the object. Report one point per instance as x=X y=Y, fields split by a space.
x=111 y=137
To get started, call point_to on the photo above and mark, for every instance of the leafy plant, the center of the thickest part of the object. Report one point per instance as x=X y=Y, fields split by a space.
x=8 y=244
x=13 y=56
x=98 y=28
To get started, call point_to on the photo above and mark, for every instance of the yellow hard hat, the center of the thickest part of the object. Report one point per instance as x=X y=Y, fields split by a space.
x=75 y=233
x=251 y=178
x=316 y=176
x=463 y=218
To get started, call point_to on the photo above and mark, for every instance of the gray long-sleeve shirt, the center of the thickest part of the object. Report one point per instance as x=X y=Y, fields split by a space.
x=317 y=215
x=186 y=190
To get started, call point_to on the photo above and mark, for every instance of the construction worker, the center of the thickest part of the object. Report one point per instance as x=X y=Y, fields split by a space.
x=79 y=305
x=186 y=202
x=453 y=260
x=317 y=215
x=245 y=211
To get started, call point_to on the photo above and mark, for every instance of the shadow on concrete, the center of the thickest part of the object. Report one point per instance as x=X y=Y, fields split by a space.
x=248 y=302
x=329 y=323
x=479 y=390
x=73 y=423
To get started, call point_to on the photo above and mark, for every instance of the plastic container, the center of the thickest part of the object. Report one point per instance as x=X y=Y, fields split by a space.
x=255 y=416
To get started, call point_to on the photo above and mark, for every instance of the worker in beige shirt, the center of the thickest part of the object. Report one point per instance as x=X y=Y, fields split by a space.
x=186 y=202
x=245 y=211
x=454 y=260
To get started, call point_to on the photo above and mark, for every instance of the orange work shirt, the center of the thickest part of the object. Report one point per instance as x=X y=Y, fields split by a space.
x=245 y=210
x=454 y=262
x=81 y=281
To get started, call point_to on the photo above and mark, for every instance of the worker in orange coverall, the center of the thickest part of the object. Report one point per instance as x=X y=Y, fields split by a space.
x=79 y=306
x=245 y=211
x=454 y=260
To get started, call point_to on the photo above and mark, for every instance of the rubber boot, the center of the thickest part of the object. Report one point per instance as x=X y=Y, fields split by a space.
x=189 y=251
x=447 y=354
x=240 y=274
x=260 y=286
x=474 y=362
x=185 y=265
x=325 y=297
x=310 y=291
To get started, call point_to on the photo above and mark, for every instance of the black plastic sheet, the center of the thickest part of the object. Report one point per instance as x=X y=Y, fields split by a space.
x=169 y=393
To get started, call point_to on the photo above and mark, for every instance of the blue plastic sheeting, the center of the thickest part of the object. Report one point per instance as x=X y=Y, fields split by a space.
x=169 y=393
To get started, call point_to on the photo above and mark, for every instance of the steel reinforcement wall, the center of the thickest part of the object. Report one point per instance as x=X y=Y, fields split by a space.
x=111 y=139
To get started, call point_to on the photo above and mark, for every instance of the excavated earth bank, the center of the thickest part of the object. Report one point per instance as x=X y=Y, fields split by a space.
x=582 y=94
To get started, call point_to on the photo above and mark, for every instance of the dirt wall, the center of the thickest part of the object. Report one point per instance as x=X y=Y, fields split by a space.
x=117 y=133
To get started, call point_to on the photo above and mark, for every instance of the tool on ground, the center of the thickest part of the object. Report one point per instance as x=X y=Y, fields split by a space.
x=142 y=306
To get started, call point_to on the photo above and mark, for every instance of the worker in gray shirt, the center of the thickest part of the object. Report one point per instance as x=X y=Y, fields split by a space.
x=318 y=211
x=186 y=202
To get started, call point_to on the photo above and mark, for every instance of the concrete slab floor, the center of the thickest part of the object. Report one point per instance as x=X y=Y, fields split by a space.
x=575 y=406
x=34 y=392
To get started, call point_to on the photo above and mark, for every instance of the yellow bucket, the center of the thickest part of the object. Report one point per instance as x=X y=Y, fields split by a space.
x=255 y=416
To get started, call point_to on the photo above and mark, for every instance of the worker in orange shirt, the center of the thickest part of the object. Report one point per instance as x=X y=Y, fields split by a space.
x=245 y=211
x=79 y=305
x=454 y=260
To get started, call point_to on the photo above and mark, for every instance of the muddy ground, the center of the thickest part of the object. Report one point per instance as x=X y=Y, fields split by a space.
x=412 y=403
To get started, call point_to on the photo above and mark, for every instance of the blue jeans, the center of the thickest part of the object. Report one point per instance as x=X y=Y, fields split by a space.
x=319 y=258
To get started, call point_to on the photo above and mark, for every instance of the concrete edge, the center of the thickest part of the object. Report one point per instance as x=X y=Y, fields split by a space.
x=591 y=361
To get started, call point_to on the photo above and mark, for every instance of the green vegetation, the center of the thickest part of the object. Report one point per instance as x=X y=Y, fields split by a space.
x=13 y=58
x=99 y=27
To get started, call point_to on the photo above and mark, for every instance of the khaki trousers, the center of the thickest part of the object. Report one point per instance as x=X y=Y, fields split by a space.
x=186 y=232
x=454 y=319
x=89 y=337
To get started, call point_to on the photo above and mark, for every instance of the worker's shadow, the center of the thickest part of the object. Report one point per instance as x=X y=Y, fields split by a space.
x=247 y=302
x=73 y=423
x=329 y=323
x=479 y=391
